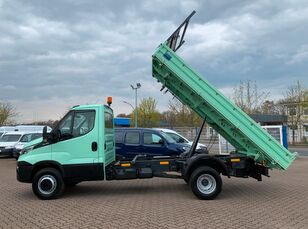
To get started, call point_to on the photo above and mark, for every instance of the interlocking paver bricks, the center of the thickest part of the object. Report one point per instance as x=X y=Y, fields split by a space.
x=277 y=202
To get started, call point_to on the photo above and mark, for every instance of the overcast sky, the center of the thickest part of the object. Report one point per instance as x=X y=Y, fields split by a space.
x=56 y=54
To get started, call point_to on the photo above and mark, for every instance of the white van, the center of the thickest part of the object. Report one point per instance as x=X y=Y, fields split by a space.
x=28 y=137
x=32 y=128
x=5 y=129
x=8 y=142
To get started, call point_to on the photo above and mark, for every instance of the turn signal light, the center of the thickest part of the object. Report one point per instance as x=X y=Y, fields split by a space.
x=235 y=159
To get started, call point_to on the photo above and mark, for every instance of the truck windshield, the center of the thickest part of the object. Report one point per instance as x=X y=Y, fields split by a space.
x=10 y=138
x=167 y=137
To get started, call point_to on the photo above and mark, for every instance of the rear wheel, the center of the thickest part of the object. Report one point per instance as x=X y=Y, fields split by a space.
x=205 y=183
x=48 y=184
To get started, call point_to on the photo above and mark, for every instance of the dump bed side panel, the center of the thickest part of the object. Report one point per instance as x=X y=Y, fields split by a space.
x=224 y=116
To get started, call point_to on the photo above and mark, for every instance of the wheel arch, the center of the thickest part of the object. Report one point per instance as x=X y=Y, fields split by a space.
x=205 y=160
x=47 y=164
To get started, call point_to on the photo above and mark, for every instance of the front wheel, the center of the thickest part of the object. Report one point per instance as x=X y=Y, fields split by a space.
x=205 y=183
x=47 y=184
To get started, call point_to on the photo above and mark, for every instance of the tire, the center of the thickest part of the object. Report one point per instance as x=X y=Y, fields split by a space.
x=205 y=183
x=48 y=184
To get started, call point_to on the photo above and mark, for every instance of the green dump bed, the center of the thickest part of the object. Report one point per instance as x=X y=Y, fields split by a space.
x=224 y=116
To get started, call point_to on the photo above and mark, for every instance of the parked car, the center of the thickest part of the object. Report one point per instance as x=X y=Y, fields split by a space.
x=23 y=141
x=9 y=140
x=23 y=128
x=181 y=139
x=135 y=141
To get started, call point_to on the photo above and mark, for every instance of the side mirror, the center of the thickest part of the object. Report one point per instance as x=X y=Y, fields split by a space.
x=161 y=141
x=45 y=134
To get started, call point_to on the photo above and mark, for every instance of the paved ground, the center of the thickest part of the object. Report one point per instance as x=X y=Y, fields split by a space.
x=278 y=202
x=301 y=150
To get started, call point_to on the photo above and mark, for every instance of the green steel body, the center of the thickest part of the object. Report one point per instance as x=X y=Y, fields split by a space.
x=224 y=116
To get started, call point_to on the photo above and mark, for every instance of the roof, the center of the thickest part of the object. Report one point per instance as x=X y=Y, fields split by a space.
x=119 y=121
x=17 y=132
x=263 y=118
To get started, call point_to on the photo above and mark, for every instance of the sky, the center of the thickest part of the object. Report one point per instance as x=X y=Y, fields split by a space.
x=60 y=53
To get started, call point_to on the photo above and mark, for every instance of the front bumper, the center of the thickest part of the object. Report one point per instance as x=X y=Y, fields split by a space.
x=6 y=152
x=24 y=172
x=16 y=153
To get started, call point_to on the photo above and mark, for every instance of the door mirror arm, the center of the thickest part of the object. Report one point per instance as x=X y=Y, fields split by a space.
x=54 y=136
x=45 y=134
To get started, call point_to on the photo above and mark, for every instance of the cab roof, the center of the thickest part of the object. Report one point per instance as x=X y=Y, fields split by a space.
x=89 y=106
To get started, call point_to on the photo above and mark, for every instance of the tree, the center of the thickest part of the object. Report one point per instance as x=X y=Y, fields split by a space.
x=270 y=107
x=248 y=98
x=148 y=115
x=295 y=98
x=50 y=123
x=181 y=115
x=7 y=113
x=168 y=118
x=123 y=115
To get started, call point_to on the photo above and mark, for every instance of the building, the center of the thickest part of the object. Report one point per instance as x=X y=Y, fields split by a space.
x=121 y=122
x=297 y=113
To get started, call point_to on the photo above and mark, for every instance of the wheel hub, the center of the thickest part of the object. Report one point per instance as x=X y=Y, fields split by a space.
x=47 y=184
x=206 y=184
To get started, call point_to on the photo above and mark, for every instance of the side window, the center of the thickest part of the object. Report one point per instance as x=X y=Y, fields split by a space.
x=26 y=138
x=177 y=138
x=152 y=139
x=108 y=121
x=83 y=122
x=119 y=136
x=36 y=136
x=65 y=126
x=132 y=138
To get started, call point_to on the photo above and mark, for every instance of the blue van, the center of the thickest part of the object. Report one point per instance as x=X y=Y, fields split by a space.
x=135 y=141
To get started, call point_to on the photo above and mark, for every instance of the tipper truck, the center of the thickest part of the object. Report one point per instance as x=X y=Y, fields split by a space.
x=82 y=146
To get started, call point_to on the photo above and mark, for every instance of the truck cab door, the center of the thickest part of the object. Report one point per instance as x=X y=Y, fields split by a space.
x=76 y=149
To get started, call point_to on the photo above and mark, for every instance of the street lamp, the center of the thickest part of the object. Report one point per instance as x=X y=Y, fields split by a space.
x=131 y=107
x=129 y=104
x=138 y=85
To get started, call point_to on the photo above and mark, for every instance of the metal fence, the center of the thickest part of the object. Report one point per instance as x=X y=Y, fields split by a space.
x=215 y=143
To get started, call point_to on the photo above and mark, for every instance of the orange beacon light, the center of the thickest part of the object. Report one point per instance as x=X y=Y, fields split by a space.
x=109 y=100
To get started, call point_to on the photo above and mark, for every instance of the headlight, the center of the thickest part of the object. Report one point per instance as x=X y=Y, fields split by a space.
x=185 y=148
x=9 y=147
x=26 y=150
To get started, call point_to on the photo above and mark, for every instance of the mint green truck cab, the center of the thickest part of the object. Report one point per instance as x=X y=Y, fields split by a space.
x=78 y=149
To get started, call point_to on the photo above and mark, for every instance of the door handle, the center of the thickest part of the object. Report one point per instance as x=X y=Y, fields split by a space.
x=94 y=146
